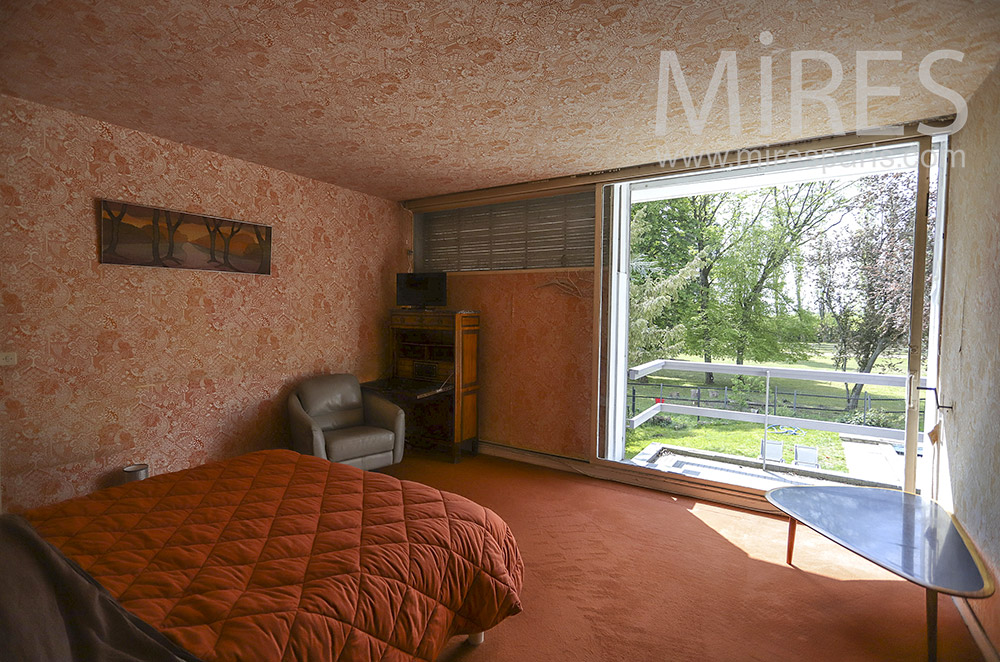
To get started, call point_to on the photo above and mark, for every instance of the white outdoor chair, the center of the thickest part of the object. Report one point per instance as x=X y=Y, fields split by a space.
x=771 y=449
x=807 y=456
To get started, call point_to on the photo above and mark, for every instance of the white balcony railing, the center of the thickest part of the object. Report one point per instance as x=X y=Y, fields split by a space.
x=767 y=418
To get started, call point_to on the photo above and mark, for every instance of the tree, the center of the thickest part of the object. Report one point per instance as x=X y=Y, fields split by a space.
x=863 y=274
x=711 y=270
x=785 y=219
x=712 y=242
x=653 y=296
x=669 y=237
x=830 y=262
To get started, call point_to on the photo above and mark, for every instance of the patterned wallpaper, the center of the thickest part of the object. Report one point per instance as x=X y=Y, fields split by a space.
x=409 y=98
x=970 y=346
x=535 y=356
x=120 y=364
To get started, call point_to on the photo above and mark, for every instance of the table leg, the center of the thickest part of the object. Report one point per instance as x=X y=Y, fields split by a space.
x=932 y=600
x=791 y=540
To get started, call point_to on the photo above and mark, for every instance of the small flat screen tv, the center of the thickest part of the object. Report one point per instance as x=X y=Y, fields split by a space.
x=422 y=290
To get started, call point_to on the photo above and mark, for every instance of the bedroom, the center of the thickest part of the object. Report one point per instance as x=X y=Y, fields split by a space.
x=119 y=365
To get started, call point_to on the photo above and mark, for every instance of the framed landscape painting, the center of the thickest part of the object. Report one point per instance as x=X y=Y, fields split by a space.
x=151 y=237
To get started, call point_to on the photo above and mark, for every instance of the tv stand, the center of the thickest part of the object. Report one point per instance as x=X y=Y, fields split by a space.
x=435 y=377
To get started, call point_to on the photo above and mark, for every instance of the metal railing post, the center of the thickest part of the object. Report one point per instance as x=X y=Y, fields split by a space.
x=767 y=392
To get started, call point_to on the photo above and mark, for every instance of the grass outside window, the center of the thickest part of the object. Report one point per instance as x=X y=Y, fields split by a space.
x=732 y=438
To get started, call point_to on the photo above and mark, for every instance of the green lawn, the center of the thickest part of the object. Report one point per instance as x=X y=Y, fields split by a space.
x=732 y=438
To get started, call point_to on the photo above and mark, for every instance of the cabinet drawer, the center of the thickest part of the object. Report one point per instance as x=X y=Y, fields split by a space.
x=438 y=320
x=434 y=371
x=425 y=320
x=405 y=320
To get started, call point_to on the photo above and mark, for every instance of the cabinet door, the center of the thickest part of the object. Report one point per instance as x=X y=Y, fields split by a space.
x=470 y=351
x=470 y=415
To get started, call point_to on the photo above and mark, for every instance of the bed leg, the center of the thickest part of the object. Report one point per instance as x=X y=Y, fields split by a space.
x=476 y=638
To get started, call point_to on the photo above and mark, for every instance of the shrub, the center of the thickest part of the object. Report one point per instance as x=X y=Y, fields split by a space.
x=875 y=418
x=744 y=386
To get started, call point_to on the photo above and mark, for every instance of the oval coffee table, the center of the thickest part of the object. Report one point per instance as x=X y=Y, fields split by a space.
x=906 y=534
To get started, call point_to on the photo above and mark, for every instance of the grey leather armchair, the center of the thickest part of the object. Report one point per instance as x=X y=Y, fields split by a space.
x=331 y=417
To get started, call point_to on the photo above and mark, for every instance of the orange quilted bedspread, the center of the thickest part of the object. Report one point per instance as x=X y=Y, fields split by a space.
x=279 y=556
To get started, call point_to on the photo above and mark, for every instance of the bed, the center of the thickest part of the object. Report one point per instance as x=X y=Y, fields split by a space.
x=275 y=555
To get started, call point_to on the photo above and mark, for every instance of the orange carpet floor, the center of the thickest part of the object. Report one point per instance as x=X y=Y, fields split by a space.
x=614 y=572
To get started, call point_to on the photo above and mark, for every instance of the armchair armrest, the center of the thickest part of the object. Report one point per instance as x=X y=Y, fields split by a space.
x=379 y=412
x=307 y=438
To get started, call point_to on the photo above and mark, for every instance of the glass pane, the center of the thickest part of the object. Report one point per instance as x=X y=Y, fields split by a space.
x=786 y=290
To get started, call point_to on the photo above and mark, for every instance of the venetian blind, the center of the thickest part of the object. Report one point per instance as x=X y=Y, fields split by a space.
x=556 y=231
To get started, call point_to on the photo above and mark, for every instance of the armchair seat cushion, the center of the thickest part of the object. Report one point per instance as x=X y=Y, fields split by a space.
x=358 y=441
x=332 y=418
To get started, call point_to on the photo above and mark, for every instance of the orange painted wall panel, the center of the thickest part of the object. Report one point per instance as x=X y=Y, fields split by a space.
x=535 y=357
x=121 y=364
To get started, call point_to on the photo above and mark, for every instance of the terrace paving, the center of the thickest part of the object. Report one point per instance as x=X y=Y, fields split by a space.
x=871 y=464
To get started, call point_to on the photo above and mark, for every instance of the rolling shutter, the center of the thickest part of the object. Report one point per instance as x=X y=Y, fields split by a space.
x=539 y=233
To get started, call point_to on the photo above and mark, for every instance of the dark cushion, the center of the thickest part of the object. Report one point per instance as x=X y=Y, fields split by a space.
x=333 y=401
x=357 y=441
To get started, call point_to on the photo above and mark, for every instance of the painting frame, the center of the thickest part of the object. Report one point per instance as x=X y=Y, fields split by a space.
x=139 y=235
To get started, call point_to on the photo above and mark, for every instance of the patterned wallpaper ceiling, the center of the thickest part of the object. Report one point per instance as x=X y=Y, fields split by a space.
x=410 y=98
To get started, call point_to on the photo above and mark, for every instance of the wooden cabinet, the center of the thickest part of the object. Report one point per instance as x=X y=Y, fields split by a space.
x=435 y=376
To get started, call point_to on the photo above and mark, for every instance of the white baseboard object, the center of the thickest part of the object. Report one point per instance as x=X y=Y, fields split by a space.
x=986 y=646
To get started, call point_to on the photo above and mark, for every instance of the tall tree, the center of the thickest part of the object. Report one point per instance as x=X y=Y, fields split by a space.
x=682 y=235
x=863 y=274
x=654 y=296
x=787 y=217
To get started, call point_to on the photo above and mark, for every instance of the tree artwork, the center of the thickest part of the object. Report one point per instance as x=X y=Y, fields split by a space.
x=113 y=222
x=263 y=234
x=147 y=236
x=154 y=239
x=227 y=240
x=212 y=225
x=172 y=225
